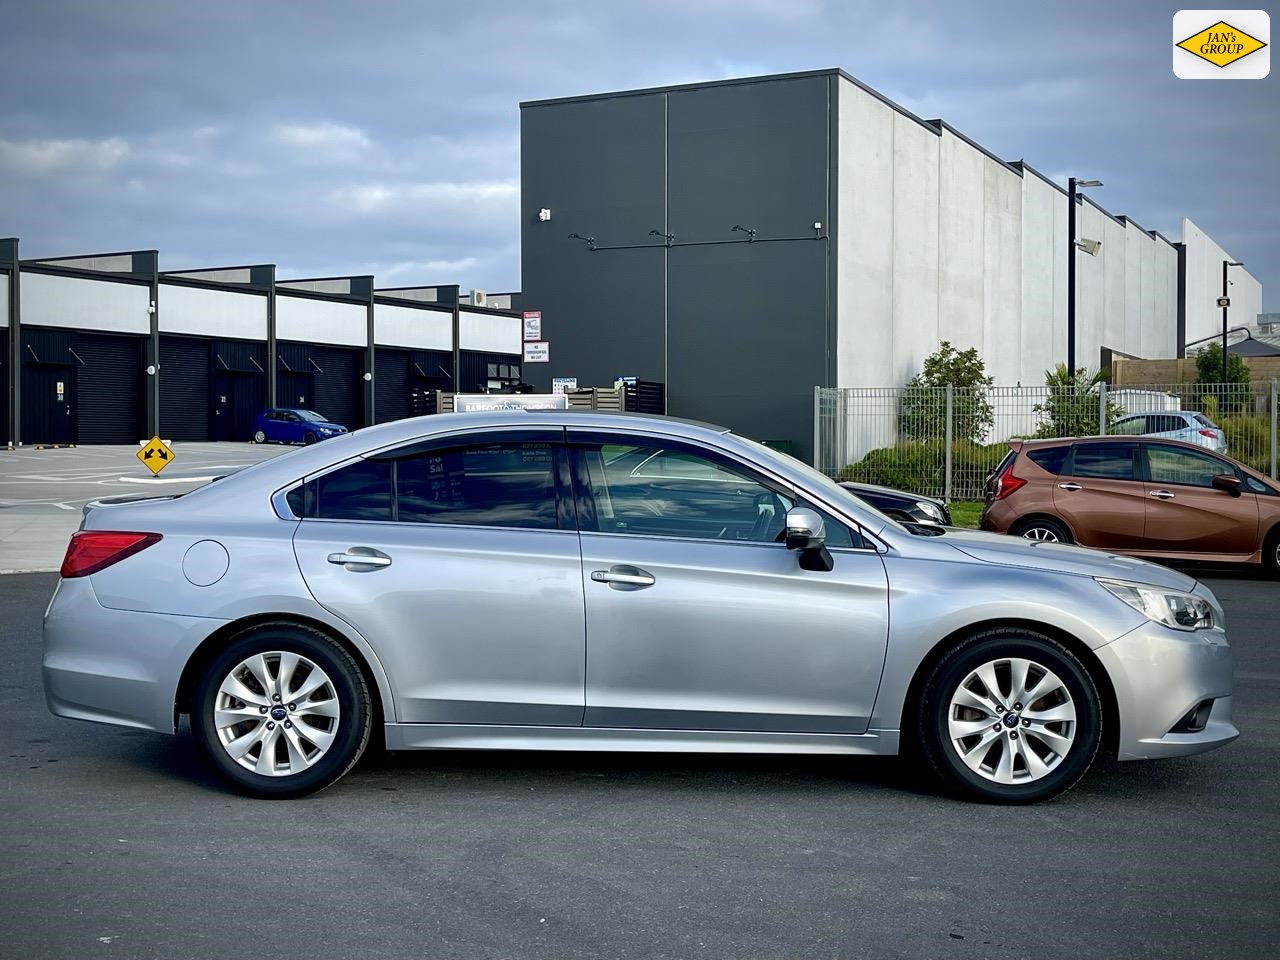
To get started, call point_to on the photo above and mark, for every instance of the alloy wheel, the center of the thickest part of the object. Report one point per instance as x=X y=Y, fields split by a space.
x=1011 y=721
x=1043 y=534
x=276 y=713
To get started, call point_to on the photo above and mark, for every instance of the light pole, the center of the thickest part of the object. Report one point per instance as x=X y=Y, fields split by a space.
x=1225 y=265
x=1073 y=185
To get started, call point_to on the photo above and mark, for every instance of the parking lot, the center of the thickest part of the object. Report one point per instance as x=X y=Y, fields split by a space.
x=119 y=844
x=42 y=491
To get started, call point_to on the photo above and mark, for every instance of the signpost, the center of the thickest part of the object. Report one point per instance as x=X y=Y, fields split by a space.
x=532 y=325
x=563 y=384
x=537 y=351
x=155 y=455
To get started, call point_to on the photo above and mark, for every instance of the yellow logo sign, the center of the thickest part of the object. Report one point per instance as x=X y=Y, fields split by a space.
x=155 y=455
x=1221 y=44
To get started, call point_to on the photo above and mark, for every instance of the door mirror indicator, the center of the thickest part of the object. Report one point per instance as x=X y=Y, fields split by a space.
x=806 y=532
x=1228 y=482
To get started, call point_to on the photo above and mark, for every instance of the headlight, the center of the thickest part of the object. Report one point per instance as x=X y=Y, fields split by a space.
x=1182 y=611
x=930 y=509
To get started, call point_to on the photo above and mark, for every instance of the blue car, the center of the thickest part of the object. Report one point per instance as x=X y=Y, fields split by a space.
x=281 y=425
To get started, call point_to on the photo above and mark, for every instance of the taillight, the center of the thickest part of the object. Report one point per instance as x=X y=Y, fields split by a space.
x=92 y=550
x=1006 y=483
x=1209 y=433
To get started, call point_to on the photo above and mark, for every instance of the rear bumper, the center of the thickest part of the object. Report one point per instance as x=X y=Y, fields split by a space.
x=115 y=666
x=1159 y=675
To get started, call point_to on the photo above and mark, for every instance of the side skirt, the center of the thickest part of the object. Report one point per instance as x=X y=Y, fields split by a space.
x=445 y=736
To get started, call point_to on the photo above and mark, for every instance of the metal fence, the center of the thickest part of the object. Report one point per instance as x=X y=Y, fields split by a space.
x=945 y=441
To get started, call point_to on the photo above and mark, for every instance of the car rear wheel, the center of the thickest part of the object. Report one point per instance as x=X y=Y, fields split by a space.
x=1010 y=716
x=282 y=711
x=1042 y=528
x=1271 y=552
x=259 y=436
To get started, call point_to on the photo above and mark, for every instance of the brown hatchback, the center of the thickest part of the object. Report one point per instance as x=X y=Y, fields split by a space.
x=1143 y=497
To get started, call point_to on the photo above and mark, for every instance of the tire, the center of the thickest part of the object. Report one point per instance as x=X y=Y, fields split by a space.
x=1028 y=759
x=259 y=437
x=1042 y=529
x=324 y=732
x=1271 y=552
x=309 y=438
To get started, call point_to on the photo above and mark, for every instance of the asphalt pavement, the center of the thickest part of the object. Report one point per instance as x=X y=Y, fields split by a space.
x=117 y=844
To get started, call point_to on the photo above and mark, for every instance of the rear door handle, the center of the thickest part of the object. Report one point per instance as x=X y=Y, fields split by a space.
x=1070 y=486
x=624 y=577
x=1162 y=494
x=371 y=558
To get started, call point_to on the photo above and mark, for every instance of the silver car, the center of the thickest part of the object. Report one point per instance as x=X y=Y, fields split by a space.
x=570 y=581
x=1184 y=425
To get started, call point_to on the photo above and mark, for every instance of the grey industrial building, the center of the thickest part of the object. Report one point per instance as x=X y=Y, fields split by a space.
x=744 y=241
x=110 y=349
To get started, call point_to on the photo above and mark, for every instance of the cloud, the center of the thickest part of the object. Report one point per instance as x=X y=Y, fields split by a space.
x=322 y=136
x=48 y=156
x=415 y=198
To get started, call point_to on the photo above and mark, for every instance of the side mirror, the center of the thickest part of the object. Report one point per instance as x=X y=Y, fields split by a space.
x=806 y=532
x=1228 y=482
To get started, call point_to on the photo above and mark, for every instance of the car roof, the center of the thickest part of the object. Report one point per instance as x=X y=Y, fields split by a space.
x=1141 y=438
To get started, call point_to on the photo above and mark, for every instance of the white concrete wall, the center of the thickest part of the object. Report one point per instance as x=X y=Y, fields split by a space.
x=320 y=321
x=490 y=332
x=4 y=300
x=936 y=240
x=212 y=313
x=54 y=301
x=1204 y=286
x=413 y=328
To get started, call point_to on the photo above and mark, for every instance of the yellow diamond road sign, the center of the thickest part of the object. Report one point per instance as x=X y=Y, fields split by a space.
x=155 y=455
x=1221 y=44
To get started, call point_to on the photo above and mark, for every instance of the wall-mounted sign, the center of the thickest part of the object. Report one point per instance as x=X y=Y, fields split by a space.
x=480 y=402
x=539 y=351
x=563 y=384
x=1224 y=301
x=532 y=325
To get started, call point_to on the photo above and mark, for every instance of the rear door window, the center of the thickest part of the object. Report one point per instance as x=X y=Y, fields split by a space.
x=1130 y=427
x=1105 y=461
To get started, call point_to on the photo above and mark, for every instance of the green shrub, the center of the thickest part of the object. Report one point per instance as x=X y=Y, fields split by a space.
x=923 y=410
x=1248 y=439
x=920 y=467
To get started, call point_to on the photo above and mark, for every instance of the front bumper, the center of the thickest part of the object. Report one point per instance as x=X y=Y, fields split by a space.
x=115 y=666
x=1159 y=675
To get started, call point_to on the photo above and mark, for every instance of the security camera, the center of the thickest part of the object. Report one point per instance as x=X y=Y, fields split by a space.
x=544 y=214
x=1091 y=247
x=151 y=307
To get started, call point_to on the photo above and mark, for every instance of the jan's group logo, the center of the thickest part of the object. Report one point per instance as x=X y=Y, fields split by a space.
x=1221 y=44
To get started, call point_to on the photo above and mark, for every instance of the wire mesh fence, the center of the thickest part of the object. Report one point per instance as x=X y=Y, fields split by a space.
x=945 y=441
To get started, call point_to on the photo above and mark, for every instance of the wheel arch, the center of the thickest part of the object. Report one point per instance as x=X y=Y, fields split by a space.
x=1097 y=673
x=1043 y=515
x=213 y=644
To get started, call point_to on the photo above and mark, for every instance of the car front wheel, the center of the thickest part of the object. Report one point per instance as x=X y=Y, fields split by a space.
x=259 y=436
x=282 y=711
x=1010 y=716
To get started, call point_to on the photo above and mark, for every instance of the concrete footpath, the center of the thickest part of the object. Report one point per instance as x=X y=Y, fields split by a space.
x=43 y=492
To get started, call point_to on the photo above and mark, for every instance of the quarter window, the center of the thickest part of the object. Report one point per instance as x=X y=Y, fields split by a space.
x=1184 y=467
x=1106 y=461
x=1049 y=459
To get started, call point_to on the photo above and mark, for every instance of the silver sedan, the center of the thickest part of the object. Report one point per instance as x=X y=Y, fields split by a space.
x=562 y=581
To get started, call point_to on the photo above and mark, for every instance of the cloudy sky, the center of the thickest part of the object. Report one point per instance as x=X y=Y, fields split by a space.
x=383 y=136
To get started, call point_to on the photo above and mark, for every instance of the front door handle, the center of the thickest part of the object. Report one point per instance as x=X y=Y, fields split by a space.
x=624 y=577
x=1070 y=486
x=371 y=558
x=1162 y=494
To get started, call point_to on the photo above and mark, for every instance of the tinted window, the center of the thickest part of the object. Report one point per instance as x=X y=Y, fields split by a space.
x=661 y=492
x=361 y=491
x=498 y=484
x=1185 y=467
x=1105 y=461
x=1049 y=459
x=1204 y=421
x=1166 y=423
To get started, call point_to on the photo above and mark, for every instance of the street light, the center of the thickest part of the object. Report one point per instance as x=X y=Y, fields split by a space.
x=1072 y=186
x=1225 y=298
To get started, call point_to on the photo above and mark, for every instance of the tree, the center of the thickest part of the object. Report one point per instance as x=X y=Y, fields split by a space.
x=1071 y=409
x=1209 y=366
x=923 y=410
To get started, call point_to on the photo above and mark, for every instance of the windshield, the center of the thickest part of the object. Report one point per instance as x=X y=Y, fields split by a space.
x=311 y=415
x=821 y=481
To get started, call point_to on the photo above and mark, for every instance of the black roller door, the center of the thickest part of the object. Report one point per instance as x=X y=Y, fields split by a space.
x=391 y=382
x=338 y=393
x=4 y=387
x=239 y=388
x=184 y=388
x=109 y=382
